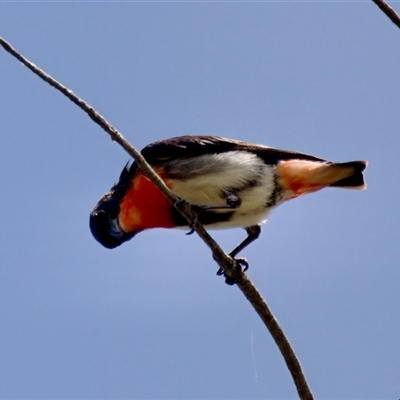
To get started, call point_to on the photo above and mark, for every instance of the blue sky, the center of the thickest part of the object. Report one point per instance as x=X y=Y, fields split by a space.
x=150 y=319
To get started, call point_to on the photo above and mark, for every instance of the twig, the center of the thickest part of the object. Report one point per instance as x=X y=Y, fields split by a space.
x=264 y=312
x=223 y=260
x=184 y=207
x=390 y=13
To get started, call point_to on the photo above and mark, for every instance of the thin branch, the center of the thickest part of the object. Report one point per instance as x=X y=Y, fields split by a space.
x=390 y=13
x=264 y=312
x=223 y=260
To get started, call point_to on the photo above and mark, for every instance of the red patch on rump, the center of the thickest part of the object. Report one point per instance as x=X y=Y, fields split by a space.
x=297 y=177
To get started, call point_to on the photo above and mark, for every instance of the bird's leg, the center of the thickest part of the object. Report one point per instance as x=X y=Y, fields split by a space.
x=232 y=201
x=253 y=232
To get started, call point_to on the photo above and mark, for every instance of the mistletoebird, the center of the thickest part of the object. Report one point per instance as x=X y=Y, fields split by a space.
x=230 y=183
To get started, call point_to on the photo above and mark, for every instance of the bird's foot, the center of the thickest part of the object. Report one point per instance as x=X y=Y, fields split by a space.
x=195 y=211
x=192 y=224
x=241 y=265
x=183 y=206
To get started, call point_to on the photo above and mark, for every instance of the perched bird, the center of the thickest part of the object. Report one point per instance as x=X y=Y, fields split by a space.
x=233 y=183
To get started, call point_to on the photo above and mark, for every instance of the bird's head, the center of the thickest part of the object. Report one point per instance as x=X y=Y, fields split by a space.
x=103 y=220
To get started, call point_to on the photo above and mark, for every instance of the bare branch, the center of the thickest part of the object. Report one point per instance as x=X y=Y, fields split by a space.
x=223 y=260
x=262 y=309
x=390 y=13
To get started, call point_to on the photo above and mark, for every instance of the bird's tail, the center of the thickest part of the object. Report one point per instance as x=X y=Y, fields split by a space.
x=298 y=177
x=349 y=175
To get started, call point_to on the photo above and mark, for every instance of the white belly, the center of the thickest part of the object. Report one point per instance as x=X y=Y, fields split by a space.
x=203 y=180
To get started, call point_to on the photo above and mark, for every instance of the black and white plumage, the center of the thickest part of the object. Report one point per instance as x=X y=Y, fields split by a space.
x=234 y=183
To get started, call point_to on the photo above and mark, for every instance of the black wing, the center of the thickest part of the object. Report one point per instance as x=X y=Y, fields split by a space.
x=192 y=146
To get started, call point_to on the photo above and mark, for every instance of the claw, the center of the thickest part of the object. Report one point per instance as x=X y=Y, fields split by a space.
x=193 y=221
x=241 y=265
x=194 y=211
x=242 y=262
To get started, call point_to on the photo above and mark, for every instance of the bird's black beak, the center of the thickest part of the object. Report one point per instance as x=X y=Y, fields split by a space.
x=103 y=220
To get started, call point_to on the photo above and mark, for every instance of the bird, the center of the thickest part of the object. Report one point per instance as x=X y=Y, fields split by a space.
x=230 y=184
